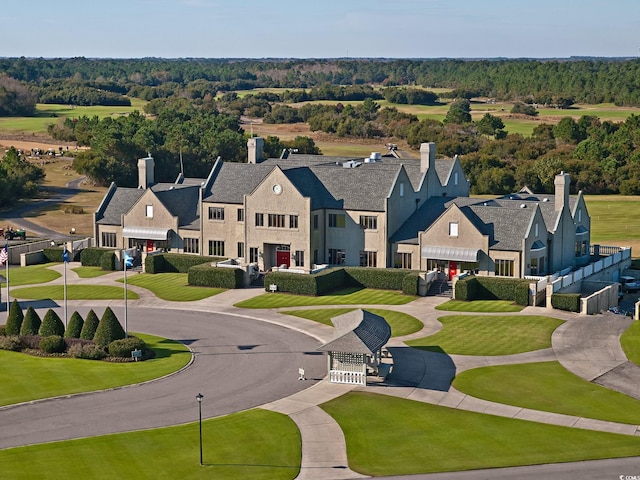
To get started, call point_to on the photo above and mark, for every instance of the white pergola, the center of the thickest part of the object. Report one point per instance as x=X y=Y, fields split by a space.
x=357 y=344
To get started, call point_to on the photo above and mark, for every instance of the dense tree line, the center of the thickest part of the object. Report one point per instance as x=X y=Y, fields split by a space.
x=16 y=99
x=549 y=82
x=18 y=178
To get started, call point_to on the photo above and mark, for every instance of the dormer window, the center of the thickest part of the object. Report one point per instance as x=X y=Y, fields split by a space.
x=149 y=211
x=453 y=229
x=401 y=189
x=455 y=178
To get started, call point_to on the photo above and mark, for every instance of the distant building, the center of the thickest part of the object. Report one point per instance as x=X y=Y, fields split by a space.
x=299 y=211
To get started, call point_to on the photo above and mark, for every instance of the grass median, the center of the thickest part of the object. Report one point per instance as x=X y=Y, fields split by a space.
x=255 y=444
x=394 y=436
x=25 y=378
x=401 y=323
x=481 y=306
x=74 y=292
x=350 y=296
x=489 y=334
x=549 y=387
x=172 y=287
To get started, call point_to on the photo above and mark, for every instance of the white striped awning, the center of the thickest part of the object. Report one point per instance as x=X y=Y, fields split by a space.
x=451 y=253
x=145 y=233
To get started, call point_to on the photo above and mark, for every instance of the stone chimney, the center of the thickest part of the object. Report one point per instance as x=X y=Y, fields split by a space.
x=255 y=147
x=562 y=183
x=427 y=156
x=146 y=172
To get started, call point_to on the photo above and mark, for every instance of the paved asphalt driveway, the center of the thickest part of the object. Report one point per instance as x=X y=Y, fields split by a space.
x=239 y=364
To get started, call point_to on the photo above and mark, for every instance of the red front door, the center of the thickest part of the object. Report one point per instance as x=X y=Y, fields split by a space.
x=149 y=245
x=453 y=269
x=283 y=258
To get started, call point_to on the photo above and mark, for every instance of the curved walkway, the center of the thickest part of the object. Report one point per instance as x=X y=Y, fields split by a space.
x=586 y=346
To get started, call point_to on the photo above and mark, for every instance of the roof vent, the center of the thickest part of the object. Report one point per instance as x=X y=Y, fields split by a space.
x=351 y=164
x=374 y=157
x=545 y=199
x=522 y=205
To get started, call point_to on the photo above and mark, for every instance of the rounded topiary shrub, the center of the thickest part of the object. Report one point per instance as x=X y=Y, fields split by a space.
x=90 y=326
x=52 y=344
x=124 y=347
x=109 y=329
x=87 y=352
x=31 y=323
x=51 y=325
x=74 y=329
x=14 y=322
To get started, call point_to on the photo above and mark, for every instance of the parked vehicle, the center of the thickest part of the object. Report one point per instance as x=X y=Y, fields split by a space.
x=10 y=233
x=629 y=284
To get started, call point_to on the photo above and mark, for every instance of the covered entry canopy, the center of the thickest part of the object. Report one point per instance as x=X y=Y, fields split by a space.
x=451 y=253
x=145 y=233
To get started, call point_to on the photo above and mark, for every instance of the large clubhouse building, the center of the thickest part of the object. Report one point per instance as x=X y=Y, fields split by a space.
x=301 y=211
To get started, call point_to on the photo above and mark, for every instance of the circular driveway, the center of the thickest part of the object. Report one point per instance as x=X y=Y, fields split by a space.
x=239 y=363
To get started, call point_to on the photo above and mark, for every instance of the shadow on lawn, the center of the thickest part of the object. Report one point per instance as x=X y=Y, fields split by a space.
x=429 y=369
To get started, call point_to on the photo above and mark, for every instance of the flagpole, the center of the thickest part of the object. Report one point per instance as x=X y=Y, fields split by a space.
x=65 y=294
x=7 y=267
x=124 y=267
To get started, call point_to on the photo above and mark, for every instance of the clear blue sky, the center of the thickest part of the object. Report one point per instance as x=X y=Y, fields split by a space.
x=319 y=28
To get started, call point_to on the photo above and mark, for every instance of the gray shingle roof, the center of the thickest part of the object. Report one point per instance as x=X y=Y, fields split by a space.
x=120 y=202
x=359 y=331
x=182 y=201
x=235 y=180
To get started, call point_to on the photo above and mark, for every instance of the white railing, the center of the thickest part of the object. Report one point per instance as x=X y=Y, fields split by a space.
x=353 y=378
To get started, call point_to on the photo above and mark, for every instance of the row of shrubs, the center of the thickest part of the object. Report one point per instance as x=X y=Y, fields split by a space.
x=491 y=288
x=175 y=262
x=83 y=338
x=566 y=301
x=344 y=277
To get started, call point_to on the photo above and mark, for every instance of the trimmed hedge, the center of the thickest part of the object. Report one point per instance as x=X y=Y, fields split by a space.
x=108 y=261
x=317 y=284
x=220 y=277
x=566 y=301
x=411 y=284
x=55 y=255
x=123 y=347
x=92 y=257
x=175 y=262
x=337 y=278
x=493 y=288
x=52 y=344
x=381 y=278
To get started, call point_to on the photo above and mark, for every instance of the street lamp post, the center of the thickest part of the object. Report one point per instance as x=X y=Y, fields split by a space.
x=199 y=398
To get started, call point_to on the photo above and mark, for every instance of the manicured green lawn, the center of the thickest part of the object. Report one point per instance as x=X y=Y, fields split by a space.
x=74 y=292
x=29 y=275
x=351 y=296
x=479 y=306
x=548 y=386
x=614 y=220
x=401 y=323
x=256 y=444
x=630 y=342
x=392 y=436
x=24 y=377
x=489 y=334
x=90 y=272
x=171 y=286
